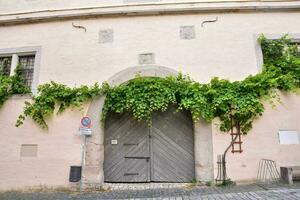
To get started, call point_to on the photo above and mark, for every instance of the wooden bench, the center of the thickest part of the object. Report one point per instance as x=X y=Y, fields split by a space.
x=290 y=173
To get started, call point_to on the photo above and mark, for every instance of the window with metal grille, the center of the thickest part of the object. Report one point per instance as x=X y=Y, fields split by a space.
x=27 y=66
x=298 y=48
x=5 y=65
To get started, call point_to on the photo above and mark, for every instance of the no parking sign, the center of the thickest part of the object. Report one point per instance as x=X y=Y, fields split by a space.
x=86 y=123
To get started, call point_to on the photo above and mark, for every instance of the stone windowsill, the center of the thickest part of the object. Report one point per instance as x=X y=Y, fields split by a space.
x=21 y=96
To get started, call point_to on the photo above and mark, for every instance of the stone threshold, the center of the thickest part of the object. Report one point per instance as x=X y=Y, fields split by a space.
x=139 y=186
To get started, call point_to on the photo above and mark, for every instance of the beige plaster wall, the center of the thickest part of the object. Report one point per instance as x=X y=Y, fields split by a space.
x=262 y=141
x=58 y=149
x=224 y=48
x=69 y=55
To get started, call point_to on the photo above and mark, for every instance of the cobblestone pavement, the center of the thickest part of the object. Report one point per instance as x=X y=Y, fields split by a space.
x=245 y=192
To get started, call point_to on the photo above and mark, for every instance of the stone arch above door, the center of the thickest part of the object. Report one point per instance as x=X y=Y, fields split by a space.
x=148 y=70
x=93 y=168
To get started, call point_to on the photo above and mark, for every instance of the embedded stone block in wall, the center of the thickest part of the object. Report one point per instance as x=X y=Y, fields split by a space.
x=187 y=32
x=106 y=36
x=146 y=58
x=29 y=150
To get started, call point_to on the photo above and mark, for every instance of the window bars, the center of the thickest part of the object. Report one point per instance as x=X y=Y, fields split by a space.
x=5 y=65
x=298 y=48
x=27 y=66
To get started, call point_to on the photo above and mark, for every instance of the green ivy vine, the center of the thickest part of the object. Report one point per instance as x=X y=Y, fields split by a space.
x=52 y=95
x=10 y=85
x=238 y=100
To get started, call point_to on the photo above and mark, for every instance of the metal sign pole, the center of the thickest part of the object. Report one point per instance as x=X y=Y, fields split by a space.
x=84 y=131
x=83 y=146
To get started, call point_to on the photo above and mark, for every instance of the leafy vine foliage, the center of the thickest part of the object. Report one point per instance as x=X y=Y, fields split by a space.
x=10 y=85
x=52 y=95
x=240 y=101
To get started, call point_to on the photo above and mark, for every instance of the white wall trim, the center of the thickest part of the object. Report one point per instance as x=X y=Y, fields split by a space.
x=258 y=50
x=156 y=8
x=36 y=50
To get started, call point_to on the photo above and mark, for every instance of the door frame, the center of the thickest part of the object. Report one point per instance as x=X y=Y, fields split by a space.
x=92 y=171
x=162 y=152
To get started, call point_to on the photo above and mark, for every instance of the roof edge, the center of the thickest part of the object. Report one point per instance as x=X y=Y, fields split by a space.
x=145 y=9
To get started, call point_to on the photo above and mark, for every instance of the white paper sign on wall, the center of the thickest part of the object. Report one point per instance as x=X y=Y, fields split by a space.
x=288 y=137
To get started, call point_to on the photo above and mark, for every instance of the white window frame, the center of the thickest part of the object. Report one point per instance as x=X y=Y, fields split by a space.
x=284 y=139
x=23 y=51
x=258 y=50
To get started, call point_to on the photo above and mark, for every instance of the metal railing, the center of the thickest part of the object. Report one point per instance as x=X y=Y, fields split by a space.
x=267 y=172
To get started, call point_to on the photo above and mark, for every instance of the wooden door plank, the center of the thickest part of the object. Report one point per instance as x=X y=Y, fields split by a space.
x=127 y=160
x=172 y=146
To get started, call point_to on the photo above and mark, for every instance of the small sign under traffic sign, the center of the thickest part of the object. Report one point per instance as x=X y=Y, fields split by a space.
x=85 y=131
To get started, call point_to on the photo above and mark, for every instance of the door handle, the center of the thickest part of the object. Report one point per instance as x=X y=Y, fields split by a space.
x=131 y=174
x=126 y=144
x=138 y=157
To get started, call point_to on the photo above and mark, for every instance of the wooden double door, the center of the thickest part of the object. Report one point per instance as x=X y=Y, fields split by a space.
x=136 y=152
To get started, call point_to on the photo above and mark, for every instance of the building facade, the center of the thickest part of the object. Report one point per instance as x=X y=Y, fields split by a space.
x=83 y=42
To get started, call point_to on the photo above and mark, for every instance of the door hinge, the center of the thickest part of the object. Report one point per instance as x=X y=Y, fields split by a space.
x=131 y=174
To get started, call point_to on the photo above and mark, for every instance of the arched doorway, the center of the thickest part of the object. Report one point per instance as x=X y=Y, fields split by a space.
x=93 y=168
x=162 y=152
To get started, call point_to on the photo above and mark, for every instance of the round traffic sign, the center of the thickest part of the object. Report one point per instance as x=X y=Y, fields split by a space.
x=86 y=121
